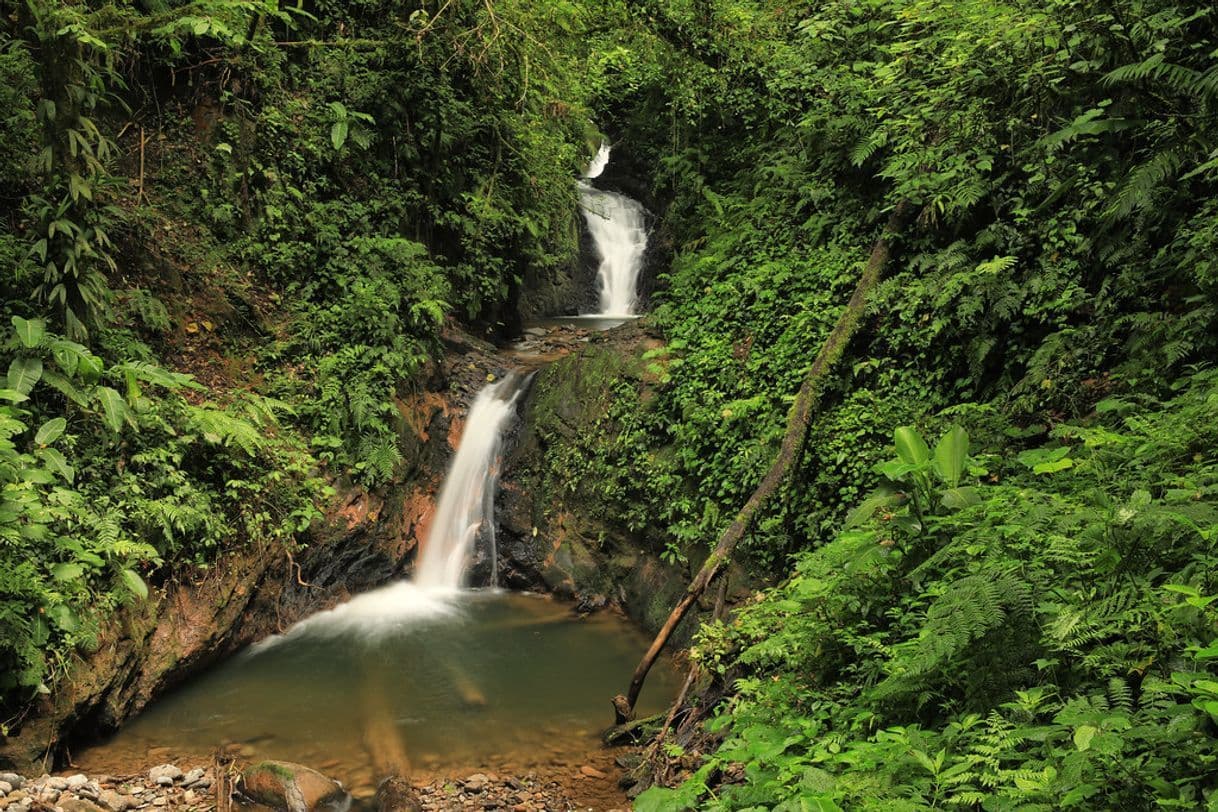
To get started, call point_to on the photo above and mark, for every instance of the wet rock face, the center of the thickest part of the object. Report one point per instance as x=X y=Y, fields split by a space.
x=570 y=544
x=290 y=787
x=565 y=291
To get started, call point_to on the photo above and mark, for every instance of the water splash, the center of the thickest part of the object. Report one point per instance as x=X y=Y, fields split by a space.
x=466 y=510
x=618 y=225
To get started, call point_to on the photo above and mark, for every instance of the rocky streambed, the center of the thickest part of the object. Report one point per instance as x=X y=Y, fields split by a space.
x=291 y=787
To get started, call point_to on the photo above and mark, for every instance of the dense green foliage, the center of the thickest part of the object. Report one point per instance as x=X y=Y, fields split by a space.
x=284 y=202
x=245 y=225
x=1033 y=631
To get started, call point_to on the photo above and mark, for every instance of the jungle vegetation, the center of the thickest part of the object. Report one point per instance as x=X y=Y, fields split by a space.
x=233 y=231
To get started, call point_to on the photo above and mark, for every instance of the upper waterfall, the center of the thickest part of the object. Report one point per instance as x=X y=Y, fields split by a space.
x=466 y=509
x=618 y=226
x=599 y=161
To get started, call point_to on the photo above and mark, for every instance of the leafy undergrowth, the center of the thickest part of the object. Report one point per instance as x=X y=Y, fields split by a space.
x=110 y=471
x=1015 y=629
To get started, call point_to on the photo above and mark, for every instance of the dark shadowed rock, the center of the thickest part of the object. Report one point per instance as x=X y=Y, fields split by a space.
x=396 y=795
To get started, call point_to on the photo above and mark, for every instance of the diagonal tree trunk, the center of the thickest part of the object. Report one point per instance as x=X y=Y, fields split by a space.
x=792 y=441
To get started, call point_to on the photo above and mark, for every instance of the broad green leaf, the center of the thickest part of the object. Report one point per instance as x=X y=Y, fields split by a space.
x=13 y=396
x=23 y=373
x=960 y=498
x=90 y=368
x=65 y=387
x=114 y=408
x=50 y=431
x=29 y=331
x=64 y=617
x=67 y=571
x=1083 y=737
x=37 y=476
x=1054 y=466
x=338 y=134
x=56 y=462
x=90 y=558
x=1046 y=460
x=895 y=469
x=135 y=583
x=951 y=453
x=1210 y=652
x=911 y=448
x=867 y=508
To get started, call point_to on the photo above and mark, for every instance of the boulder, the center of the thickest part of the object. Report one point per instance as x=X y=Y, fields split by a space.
x=292 y=787
x=396 y=795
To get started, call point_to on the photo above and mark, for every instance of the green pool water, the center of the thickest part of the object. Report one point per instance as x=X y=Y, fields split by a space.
x=465 y=680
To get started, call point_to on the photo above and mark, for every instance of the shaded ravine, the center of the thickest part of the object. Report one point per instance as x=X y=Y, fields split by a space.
x=367 y=539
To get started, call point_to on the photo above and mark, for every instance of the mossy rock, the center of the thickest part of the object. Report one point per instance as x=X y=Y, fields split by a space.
x=292 y=787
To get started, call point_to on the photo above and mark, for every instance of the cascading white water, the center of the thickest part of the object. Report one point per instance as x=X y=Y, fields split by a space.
x=465 y=513
x=466 y=509
x=599 y=161
x=618 y=226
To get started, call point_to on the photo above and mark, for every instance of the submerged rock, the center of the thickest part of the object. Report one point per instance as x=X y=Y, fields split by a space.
x=292 y=787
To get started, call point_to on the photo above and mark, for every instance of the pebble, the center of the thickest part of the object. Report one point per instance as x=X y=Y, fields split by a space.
x=12 y=778
x=5 y=788
x=592 y=772
x=193 y=777
x=77 y=781
x=56 y=783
